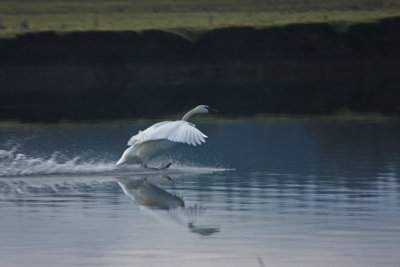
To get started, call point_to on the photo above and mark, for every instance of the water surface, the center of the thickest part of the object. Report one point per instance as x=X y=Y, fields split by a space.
x=259 y=193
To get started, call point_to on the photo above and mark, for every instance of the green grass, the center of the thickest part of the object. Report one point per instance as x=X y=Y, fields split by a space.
x=183 y=16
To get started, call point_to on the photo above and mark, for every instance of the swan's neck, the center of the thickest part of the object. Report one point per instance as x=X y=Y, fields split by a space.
x=189 y=114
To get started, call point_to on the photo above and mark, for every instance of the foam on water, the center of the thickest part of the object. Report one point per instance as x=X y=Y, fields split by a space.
x=14 y=162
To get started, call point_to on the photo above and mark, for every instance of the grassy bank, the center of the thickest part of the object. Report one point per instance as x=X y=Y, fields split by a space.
x=19 y=16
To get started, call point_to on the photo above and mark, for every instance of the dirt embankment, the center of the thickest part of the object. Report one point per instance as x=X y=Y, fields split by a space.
x=298 y=69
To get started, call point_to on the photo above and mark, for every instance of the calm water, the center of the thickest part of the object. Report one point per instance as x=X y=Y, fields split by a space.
x=259 y=193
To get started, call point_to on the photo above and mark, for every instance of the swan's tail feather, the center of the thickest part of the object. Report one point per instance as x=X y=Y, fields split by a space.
x=129 y=157
x=120 y=161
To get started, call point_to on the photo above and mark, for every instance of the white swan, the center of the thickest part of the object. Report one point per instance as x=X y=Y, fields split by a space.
x=161 y=137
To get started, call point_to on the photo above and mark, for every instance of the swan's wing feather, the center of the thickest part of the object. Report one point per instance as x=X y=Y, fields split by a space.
x=197 y=139
x=175 y=131
x=147 y=135
x=191 y=136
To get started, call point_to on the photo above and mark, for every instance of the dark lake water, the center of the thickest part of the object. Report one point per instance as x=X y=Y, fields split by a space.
x=293 y=192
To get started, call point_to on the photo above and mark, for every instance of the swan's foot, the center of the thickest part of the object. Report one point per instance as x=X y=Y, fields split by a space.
x=165 y=165
x=167 y=177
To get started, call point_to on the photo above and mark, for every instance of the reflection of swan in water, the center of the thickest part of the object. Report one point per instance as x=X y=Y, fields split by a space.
x=165 y=206
x=147 y=194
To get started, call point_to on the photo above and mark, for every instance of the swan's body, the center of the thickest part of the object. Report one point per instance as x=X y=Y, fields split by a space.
x=161 y=137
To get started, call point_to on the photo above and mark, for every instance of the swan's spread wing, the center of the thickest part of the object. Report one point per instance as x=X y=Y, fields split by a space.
x=185 y=132
x=143 y=136
x=175 y=131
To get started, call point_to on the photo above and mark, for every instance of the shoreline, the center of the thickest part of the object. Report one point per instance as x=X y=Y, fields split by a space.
x=294 y=69
x=361 y=117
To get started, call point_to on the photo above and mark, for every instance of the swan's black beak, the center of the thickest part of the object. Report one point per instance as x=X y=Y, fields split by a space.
x=212 y=110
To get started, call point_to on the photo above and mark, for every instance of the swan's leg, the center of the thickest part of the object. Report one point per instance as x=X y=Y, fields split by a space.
x=165 y=165
x=167 y=177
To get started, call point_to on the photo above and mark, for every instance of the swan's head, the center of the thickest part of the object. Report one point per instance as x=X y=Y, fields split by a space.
x=204 y=109
x=198 y=109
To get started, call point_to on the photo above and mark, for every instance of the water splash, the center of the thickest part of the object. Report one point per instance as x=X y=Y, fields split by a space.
x=15 y=163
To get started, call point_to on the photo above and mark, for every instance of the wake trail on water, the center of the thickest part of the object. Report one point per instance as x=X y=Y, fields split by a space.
x=15 y=163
